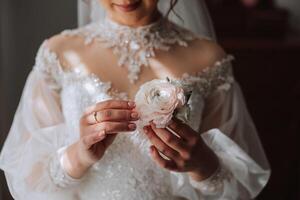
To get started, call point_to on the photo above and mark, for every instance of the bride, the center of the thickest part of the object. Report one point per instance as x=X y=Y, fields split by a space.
x=75 y=133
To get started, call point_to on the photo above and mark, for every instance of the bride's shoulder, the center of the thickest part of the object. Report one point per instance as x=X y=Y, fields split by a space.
x=206 y=53
x=211 y=63
x=67 y=39
x=75 y=33
x=64 y=44
x=208 y=50
x=203 y=49
x=52 y=56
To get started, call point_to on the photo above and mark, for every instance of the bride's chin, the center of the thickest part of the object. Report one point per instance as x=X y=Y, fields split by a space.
x=134 y=19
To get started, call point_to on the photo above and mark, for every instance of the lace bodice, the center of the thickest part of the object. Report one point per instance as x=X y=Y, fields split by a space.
x=202 y=83
x=80 y=90
x=126 y=171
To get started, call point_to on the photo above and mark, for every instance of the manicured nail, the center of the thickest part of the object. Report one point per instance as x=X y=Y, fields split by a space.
x=102 y=137
x=134 y=115
x=102 y=134
x=152 y=125
x=131 y=104
x=151 y=149
x=132 y=126
x=145 y=129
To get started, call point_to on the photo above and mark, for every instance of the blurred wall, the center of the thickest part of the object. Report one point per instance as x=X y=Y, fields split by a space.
x=294 y=7
x=23 y=26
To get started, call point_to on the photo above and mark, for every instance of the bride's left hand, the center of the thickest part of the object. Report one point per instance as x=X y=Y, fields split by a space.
x=186 y=153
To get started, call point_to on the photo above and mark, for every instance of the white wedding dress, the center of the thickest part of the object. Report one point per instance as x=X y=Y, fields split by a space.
x=47 y=121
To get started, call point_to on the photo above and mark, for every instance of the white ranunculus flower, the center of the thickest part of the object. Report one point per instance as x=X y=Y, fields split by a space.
x=156 y=101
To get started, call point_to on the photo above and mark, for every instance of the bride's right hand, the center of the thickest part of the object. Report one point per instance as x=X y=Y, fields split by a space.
x=97 y=132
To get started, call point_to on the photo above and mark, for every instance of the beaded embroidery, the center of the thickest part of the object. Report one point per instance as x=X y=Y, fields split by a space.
x=134 y=46
x=209 y=79
x=218 y=76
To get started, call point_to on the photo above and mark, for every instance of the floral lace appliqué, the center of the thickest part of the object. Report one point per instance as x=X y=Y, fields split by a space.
x=81 y=89
x=134 y=46
x=47 y=63
x=217 y=77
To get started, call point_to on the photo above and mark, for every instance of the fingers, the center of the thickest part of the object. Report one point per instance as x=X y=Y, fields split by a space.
x=160 y=145
x=92 y=139
x=168 y=164
x=183 y=144
x=116 y=115
x=170 y=139
x=99 y=131
x=181 y=129
x=110 y=104
x=112 y=127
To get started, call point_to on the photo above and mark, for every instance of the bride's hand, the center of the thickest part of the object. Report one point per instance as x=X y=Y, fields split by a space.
x=99 y=126
x=186 y=152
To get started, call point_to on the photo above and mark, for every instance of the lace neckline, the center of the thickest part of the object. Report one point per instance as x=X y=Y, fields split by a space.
x=134 y=46
x=207 y=79
x=212 y=77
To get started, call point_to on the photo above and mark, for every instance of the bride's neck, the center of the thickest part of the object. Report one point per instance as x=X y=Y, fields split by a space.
x=137 y=22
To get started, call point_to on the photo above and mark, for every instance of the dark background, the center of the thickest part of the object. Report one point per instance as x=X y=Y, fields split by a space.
x=266 y=43
x=24 y=24
x=263 y=39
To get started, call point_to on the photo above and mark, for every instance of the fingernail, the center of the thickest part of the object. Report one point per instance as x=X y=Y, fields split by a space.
x=102 y=133
x=132 y=126
x=151 y=149
x=134 y=115
x=101 y=136
x=131 y=104
x=152 y=125
x=145 y=129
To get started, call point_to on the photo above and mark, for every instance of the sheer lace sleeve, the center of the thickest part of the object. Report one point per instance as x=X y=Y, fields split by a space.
x=31 y=156
x=228 y=130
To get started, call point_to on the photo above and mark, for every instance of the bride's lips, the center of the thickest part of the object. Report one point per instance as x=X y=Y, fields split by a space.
x=128 y=7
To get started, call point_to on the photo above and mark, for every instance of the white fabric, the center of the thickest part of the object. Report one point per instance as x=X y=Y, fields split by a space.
x=194 y=14
x=47 y=120
x=133 y=48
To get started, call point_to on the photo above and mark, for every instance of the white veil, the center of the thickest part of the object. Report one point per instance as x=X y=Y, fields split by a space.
x=193 y=12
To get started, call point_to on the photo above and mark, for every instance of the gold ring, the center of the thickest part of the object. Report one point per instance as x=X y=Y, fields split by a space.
x=95 y=117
